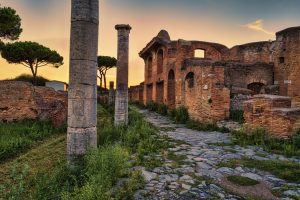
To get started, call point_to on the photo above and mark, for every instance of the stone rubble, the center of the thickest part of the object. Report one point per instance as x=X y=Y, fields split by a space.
x=198 y=175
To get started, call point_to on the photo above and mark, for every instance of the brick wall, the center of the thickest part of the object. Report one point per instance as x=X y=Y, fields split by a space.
x=273 y=113
x=208 y=100
x=136 y=93
x=287 y=63
x=22 y=101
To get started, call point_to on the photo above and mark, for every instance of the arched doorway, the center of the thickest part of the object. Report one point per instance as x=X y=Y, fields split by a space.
x=171 y=89
x=256 y=87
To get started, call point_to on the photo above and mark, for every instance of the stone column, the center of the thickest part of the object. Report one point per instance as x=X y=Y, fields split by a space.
x=121 y=101
x=82 y=101
x=111 y=96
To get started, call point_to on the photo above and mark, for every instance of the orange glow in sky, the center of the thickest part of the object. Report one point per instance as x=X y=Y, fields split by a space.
x=49 y=24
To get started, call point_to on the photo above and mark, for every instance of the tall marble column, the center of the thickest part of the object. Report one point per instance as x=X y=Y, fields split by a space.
x=121 y=100
x=82 y=101
x=111 y=95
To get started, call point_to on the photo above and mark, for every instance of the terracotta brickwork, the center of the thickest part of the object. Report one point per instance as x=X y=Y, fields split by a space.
x=287 y=63
x=22 y=101
x=252 y=67
x=273 y=113
x=136 y=93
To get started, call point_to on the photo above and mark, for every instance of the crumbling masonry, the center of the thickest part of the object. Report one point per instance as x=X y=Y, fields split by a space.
x=176 y=75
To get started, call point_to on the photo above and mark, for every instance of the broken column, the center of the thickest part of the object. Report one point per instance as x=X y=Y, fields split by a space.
x=111 y=95
x=82 y=102
x=121 y=101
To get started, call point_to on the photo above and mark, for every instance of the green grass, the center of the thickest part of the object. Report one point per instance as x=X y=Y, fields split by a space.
x=18 y=137
x=19 y=176
x=242 y=181
x=289 y=171
x=196 y=125
x=260 y=137
x=119 y=149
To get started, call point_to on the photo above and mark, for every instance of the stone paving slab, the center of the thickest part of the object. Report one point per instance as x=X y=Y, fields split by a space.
x=197 y=177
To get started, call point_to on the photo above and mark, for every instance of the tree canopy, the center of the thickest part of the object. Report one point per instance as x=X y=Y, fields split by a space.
x=10 y=24
x=32 y=55
x=104 y=64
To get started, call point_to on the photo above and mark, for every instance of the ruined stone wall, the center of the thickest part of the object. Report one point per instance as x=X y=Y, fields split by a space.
x=251 y=53
x=287 y=63
x=22 y=101
x=204 y=93
x=242 y=75
x=273 y=113
x=136 y=93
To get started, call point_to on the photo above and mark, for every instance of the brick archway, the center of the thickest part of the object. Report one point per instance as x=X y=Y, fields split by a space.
x=171 y=89
x=256 y=87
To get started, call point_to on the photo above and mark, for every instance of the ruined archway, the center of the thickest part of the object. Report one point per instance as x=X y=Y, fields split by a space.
x=189 y=89
x=256 y=87
x=189 y=80
x=171 y=89
x=160 y=61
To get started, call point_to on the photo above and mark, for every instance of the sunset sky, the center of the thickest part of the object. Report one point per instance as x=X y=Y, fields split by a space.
x=229 y=22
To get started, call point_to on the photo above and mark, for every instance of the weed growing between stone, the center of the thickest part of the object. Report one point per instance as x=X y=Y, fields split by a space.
x=289 y=171
x=260 y=137
x=242 y=181
x=18 y=137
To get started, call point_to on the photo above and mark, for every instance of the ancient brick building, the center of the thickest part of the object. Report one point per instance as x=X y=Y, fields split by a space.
x=200 y=75
x=274 y=113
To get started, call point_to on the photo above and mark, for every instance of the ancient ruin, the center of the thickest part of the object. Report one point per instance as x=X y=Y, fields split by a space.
x=21 y=101
x=211 y=79
x=121 y=100
x=82 y=110
x=111 y=94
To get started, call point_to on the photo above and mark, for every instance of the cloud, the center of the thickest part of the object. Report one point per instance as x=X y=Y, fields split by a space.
x=258 y=25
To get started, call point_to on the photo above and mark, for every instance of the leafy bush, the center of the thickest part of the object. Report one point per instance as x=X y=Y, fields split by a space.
x=237 y=116
x=162 y=109
x=20 y=136
x=179 y=115
x=41 y=81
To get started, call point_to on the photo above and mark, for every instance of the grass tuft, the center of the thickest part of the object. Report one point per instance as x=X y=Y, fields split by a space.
x=242 y=181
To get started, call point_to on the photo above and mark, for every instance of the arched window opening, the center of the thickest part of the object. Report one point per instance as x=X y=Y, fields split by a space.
x=199 y=53
x=256 y=87
x=160 y=61
x=189 y=79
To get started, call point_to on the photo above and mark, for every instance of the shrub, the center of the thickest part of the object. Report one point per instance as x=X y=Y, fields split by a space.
x=162 y=109
x=41 y=81
x=179 y=115
x=152 y=106
x=199 y=126
x=237 y=116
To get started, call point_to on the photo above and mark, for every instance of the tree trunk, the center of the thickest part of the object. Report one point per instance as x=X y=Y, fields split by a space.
x=104 y=78
x=82 y=101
